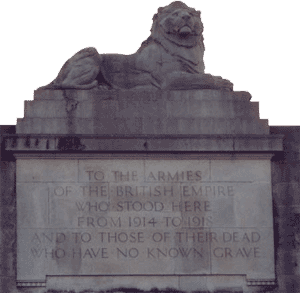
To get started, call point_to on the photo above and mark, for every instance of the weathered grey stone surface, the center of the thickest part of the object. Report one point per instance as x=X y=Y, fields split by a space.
x=8 y=219
x=149 y=143
x=141 y=112
x=285 y=181
x=145 y=215
x=171 y=58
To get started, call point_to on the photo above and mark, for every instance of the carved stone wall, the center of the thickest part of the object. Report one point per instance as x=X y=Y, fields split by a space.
x=286 y=212
x=286 y=203
x=8 y=219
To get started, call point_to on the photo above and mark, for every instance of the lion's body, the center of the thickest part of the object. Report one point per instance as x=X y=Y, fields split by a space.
x=149 y=65
x=174 y=50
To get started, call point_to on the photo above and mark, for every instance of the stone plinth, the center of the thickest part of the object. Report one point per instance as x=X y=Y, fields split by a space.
x=144 y=189
x=141 y=112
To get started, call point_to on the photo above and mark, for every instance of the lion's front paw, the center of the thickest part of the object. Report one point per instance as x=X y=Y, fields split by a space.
x=224 y=84
x=227 y=85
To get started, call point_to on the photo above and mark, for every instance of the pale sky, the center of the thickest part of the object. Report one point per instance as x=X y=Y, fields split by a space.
x=255 y=44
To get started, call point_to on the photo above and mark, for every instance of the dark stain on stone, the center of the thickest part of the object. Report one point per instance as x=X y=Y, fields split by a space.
x=71 y=106
x=27 y=142
x=14 y=142
x=8 y=221
x=70 y=143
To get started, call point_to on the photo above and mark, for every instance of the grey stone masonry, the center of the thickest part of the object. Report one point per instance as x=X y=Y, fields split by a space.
x=141 y=143
x=146 y=112
x=8 y=213
x=286 y=208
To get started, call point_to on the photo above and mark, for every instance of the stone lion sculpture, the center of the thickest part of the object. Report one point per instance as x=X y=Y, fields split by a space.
x=171 y=58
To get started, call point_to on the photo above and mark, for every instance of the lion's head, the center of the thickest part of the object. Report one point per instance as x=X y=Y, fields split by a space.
x=179 y=24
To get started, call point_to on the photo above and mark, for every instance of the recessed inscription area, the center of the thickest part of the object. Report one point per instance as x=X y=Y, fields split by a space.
x=156 y=217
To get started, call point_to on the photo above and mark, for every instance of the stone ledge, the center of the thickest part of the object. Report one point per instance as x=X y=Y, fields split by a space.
x=151 y=125
x=31 y=284
x=138 y=94
x=192 y=108
x=261 y=282
x=141 y=111
x=144 y=156
x=145 y=143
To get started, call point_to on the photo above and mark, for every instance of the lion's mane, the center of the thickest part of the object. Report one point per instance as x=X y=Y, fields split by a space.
x=162 y=13
x=191 y=48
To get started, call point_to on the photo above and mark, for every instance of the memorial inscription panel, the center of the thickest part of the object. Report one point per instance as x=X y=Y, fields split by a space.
x=144 y=216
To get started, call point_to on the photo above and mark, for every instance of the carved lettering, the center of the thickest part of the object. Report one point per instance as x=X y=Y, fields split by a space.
x=240 y=252
x=62 y=191
x=99 y=222
x=95 y=190
x=131 y=253
x=90 y=253
x=206 y=190
x=150 y=216
x=124 y=176
x=174 y=252
x=96 y=175
x=138 y=206
x=48 y=253
x=121 y=237
x=88 y=206
x=191 y=206
x=178 y=176
x=241 y=237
